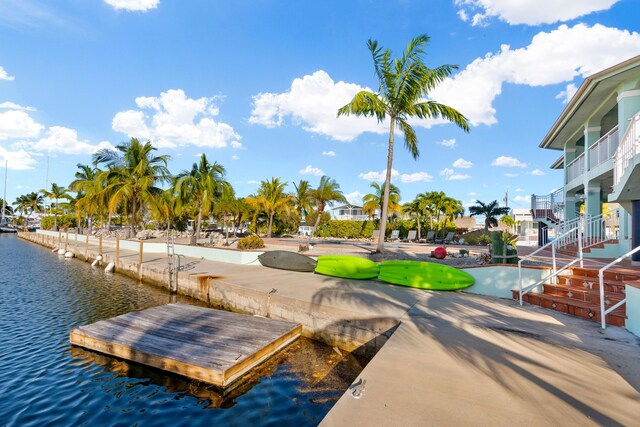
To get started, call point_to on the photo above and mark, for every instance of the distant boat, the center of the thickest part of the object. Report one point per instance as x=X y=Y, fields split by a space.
x=8 y=229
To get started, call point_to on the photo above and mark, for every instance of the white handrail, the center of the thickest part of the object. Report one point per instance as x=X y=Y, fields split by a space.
x=628 y=147
x=604 y=148
x=553 y=254
x=603 y=312
x=575 y=168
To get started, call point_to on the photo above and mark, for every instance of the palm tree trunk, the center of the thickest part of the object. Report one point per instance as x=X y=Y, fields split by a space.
x=55 y=217
x=269 y=226
x=385 y=198
x=418 y=220
x=133 y=216
x=226 y=229
x=196 y=232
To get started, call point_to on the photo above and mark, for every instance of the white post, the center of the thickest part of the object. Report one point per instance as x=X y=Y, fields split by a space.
x=520 y=279
x=603 y=320
x=580 y=255
x=553 y=255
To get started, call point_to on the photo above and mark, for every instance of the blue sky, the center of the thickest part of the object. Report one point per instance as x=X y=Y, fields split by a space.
x=256 y=85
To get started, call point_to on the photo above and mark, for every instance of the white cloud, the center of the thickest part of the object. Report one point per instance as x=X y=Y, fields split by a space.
x=237 y=145
x=472 y=194
x=508 y=162
x=447 y=172
x=355 y=198
x=409 y=178
x=177 y=121
x=529 y=12
x=253 y=181
x=568 y=93
x=13 y=106
x=4 y=75
x=310 y=170
x=18 y=124
x=235 y=157
x=449 y=143
x=17 y=160
x=458 y=177
x=329 y=153
x=313 y=102
x=451 y=175
x=537 y=172
x=64 y=140
x=379 y=176
x=551 y=58
x=519 y=190
x=511 y=175
x=133 y=5
x=462 y=164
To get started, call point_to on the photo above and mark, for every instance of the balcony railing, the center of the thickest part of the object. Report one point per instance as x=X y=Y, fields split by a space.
x=550 y=206
x=604 y=148
x=575 y=168
x=629 y=148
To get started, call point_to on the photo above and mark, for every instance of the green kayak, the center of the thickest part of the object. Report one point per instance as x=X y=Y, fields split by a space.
x=347 y=267
x=424 y=275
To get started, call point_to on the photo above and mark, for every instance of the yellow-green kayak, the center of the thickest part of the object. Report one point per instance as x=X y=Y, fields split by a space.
x=347 y=267
x=424 y=275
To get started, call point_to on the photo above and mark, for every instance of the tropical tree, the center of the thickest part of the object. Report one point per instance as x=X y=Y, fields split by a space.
x=415 y=209
x=327 y=192
x=491 y=212
x=202 y=185
x=224 y=209
x=273 y=200
x=56 y=193
x=8 y=210
x=451 y=209
x=302 y=197
x=132 y=176
x=29 y=204
x=405 y=84
x=87 y=187
x=374 y=201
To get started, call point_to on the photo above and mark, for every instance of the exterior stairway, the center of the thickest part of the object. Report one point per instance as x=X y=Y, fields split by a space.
x=578 y=294
x=572 y=249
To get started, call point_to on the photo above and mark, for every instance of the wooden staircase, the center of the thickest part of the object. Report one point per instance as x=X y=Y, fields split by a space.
x=572 y=250
x=578 y=294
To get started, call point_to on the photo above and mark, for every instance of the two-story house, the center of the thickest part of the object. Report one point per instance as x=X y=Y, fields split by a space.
x=598 y=134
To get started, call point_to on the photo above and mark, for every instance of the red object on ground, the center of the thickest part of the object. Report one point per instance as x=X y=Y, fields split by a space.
x=440 y=253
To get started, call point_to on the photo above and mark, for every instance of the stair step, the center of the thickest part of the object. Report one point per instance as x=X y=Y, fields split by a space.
x=608 y=275
x=588 y=311
x=582 y=294
x=581 y=282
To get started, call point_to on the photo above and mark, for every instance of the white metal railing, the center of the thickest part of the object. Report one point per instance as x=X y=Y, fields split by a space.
x=575 y=168
x=603 y=312
x=629 y=148
x=561 y=231
x=555 y=271
x=604 y=148
x=600 y=228
x=549 y=206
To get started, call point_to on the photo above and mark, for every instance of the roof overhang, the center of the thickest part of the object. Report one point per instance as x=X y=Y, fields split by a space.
x=597 y=92
x=558 y=164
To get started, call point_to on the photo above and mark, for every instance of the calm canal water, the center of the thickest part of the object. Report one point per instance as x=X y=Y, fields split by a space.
x=45 y=381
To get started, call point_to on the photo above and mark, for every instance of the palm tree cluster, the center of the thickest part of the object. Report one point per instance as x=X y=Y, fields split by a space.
x=132 y=184
x=433 y=210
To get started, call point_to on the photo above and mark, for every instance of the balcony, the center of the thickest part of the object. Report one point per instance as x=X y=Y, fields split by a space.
x=575 y=168
x=604 y=148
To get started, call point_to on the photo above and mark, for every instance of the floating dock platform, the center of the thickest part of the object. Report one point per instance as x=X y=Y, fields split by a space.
x=213 y=346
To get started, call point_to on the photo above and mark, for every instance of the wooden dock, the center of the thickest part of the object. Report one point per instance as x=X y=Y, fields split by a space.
x=213 y=346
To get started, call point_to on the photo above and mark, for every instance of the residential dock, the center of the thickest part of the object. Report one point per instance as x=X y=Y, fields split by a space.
x=439 y=358
x=214 y=346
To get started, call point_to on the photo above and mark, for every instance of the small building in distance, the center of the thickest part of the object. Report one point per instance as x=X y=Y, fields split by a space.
x=349 y=212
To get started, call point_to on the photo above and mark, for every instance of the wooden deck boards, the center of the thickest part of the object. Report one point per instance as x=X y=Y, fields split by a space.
x=209 y=345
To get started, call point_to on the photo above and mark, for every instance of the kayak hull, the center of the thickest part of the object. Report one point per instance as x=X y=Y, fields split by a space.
x=286 y=260
x=347 y=267
x=424 y=275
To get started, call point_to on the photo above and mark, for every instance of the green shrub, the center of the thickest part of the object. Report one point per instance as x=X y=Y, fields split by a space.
x=484 y=240
x=251 y=242
x=346 y=229
x=47 y=223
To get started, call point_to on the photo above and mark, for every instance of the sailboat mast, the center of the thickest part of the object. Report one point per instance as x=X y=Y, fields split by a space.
x=4 y=197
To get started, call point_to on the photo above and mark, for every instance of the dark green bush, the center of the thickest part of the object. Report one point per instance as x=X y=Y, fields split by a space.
x=251 y=242
x=471 y=240
x=484 y=240
x=64 y=222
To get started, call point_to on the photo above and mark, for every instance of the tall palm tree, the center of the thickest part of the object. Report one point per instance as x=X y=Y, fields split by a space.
x=202 y=186
x=85 y=186
x=8 y=210
x=451 y=209
x=415 y=209
x=56 y=193
x=273 y=200
x=328 y=191
x=224 y=209
x=374 y=201
x=132 y=176
x=491 y=212
x=303 y=200
x=405 y=84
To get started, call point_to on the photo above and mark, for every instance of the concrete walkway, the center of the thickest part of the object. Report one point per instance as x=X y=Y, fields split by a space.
x=444 y=358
